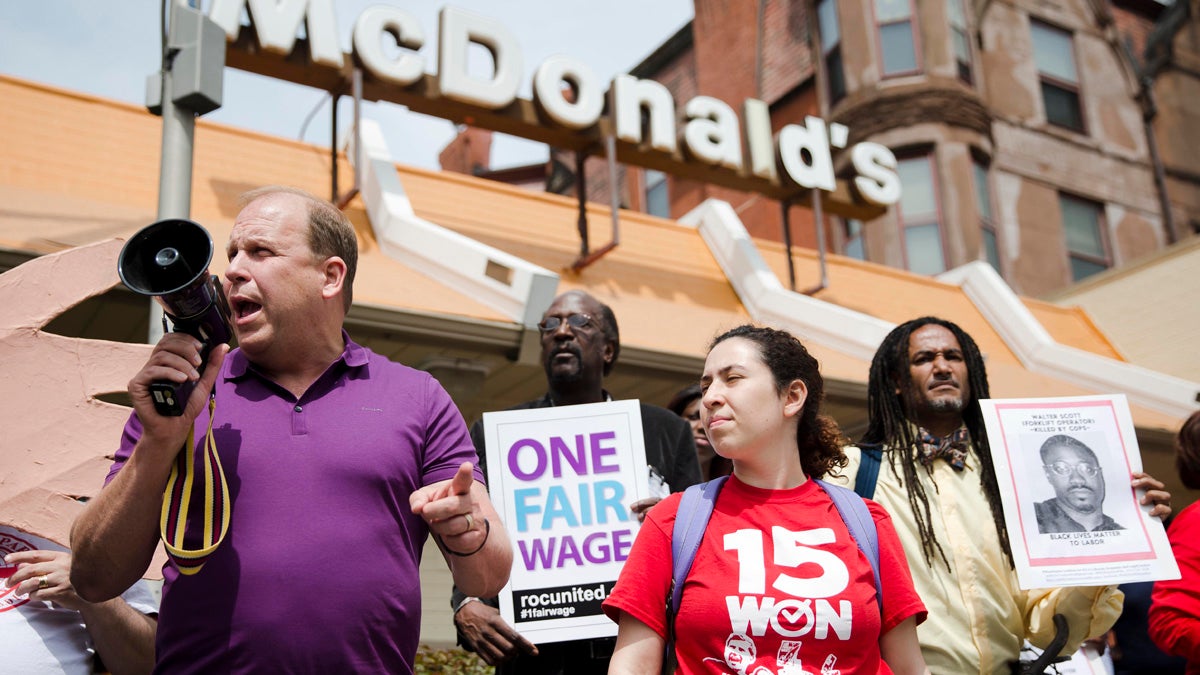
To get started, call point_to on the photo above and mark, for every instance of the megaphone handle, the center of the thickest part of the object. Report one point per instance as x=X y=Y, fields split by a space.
x=170 y=398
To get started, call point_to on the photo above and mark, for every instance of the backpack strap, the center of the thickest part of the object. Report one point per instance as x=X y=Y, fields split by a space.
x=691 y=520
x=868 y=471
x=857 y=516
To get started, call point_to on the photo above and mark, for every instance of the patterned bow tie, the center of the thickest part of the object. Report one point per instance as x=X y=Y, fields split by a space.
x=952 y=448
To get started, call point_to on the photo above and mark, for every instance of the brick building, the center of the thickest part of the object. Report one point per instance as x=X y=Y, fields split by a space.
x=1052 y=140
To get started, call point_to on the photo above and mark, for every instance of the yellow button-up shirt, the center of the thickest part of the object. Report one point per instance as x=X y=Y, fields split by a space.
x=978 y=615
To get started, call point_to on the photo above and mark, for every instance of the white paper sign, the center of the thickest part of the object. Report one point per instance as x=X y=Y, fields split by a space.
x=563 y=479
x=1064 y=465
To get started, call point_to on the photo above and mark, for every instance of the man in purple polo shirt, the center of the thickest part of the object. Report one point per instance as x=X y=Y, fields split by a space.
x=339 y=463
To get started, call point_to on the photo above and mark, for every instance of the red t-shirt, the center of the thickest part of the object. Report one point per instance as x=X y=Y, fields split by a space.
x=1174 y=618
x=778 y=586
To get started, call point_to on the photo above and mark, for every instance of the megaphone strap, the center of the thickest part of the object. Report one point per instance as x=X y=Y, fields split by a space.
x=177 y=500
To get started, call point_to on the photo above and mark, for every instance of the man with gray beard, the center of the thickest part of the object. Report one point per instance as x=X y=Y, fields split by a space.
x=925 y=458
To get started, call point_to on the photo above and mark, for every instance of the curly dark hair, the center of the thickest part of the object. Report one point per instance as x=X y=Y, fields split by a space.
x=891 y=430
x=818 y=438
x=1187 y=451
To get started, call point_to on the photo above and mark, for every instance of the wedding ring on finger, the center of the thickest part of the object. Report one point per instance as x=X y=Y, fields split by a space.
x=43 y=582
x=470 y=523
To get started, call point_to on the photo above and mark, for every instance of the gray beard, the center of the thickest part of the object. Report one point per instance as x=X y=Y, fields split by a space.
x=947 y=405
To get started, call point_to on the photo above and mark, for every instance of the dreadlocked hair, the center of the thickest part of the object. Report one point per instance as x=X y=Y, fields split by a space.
x=818 y=438
x=891 y=430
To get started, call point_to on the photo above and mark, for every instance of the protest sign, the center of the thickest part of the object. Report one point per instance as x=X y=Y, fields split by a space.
x=563 y=479
x=1064 y=467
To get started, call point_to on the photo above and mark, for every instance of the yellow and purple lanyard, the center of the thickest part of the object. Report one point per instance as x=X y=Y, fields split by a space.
x=178 y=495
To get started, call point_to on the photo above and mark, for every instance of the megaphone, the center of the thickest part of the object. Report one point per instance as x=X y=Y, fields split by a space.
x=168 y=260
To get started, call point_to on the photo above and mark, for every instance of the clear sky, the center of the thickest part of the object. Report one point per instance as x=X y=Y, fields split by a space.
x=109 y=47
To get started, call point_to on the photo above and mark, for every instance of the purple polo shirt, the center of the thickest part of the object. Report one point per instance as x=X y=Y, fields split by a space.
x=319 y=570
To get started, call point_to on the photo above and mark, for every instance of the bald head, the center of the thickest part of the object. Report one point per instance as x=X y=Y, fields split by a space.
x=330 y=232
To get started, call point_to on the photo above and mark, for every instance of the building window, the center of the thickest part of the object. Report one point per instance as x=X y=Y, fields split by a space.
x=854 y=245
x=961 y=38
x=658 y=202
x=897 y=36
x=987 y=223
x=831 y=49
x=920 y=217
x=1054 y=55
x=1083 y=224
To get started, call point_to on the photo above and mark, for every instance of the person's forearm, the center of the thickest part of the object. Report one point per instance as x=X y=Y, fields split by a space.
x=901 y=650
x=123 y=636
x=113 y=539
x=483 y=574
x=639 y=649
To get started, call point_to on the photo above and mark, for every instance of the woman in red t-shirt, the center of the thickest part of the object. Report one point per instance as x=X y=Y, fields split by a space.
x=1174 y=617
x=778 y=585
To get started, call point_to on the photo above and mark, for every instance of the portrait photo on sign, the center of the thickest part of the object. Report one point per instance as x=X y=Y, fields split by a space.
x=1064 y=467
x=1068 y=484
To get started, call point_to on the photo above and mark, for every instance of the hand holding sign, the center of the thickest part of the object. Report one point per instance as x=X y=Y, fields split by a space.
x=490 y=635
x=451 y=511
x=1156 y=494
x=642 y=506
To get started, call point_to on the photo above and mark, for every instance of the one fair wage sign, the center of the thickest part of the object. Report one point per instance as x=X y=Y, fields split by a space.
x=564 y=478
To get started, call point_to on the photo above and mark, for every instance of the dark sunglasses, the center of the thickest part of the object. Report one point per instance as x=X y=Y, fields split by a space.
x=551 y=323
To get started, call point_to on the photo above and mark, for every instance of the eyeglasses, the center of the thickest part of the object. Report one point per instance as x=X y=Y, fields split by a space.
x=1064 y=469
x=551 y=323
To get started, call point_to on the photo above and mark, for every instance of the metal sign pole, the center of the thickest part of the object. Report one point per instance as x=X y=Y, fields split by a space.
x=188 y=85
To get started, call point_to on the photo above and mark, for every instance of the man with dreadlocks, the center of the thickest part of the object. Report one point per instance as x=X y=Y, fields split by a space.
x=925 y=458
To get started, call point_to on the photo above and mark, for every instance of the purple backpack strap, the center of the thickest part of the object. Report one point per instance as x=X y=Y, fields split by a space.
x=691 y=520
x=857 y=516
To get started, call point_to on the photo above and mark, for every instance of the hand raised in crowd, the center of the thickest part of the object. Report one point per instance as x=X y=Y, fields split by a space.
x=1156 y=494
x=451 y=511
x=46 y=576
x=489 y=635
